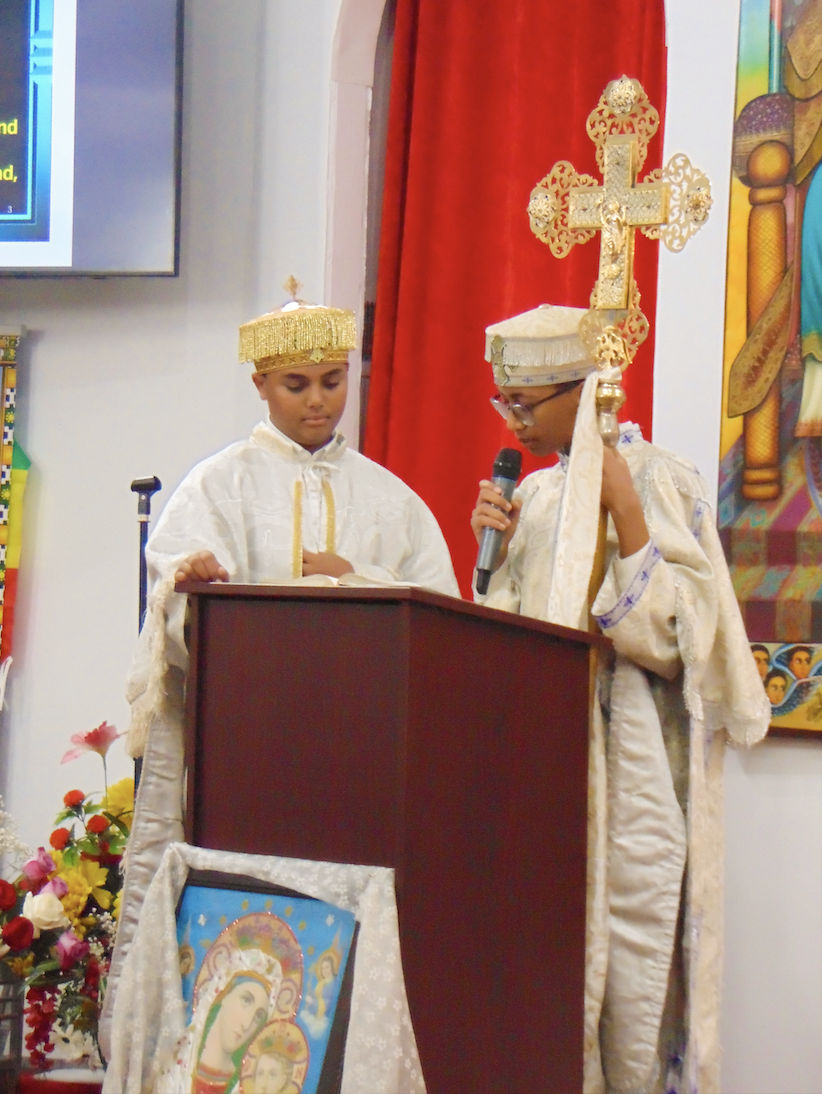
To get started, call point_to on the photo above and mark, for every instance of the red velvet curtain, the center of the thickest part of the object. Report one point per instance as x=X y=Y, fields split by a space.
x=486 y=95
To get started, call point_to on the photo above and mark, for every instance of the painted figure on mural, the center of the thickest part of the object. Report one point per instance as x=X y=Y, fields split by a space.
x=770 y=490
x=276 y=1061
x=238 y=1012
x=251 y=977
x=803 y=55
x=762 y=659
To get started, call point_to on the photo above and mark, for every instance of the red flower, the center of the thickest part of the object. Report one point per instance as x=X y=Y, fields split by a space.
x=74 y=797
x=18 y=933
x=97 y=824
x=41 y=1011
x=8 y=896
x=59 y=838
x=106 y=859
x=92 y=978
x=97 y=740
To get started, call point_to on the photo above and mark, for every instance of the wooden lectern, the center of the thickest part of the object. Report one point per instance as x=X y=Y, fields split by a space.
x=398 y=727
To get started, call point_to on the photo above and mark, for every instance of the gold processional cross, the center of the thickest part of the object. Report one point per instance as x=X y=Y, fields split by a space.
x=568 y=208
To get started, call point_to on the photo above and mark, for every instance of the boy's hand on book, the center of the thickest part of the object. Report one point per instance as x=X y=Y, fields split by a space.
x=325 y=562
x=202 y=566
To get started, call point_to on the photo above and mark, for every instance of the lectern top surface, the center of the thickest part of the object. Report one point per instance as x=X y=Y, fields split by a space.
x=390 y=594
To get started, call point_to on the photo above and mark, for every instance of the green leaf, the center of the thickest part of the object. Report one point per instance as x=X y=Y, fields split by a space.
x=117 y=822
x=42 y=969
x=71 y=856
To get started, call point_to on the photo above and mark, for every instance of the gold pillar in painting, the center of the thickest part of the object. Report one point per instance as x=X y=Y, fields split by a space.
x=769 y=167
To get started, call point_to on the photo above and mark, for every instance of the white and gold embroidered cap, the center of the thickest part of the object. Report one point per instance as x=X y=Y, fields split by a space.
x=297 y=334
x=538 y=348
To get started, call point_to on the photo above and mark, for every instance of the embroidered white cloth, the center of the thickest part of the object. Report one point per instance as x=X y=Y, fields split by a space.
x=148 y=1035
x=255 y=505
x=682 y=672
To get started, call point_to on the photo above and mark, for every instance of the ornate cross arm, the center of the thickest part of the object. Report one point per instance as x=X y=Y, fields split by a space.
x=567 y=208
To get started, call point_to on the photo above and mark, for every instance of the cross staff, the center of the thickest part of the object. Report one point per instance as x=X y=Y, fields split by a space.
x=567 y=208
x=616 y=209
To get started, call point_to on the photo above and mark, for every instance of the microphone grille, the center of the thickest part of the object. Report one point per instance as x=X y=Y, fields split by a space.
x=508 y=464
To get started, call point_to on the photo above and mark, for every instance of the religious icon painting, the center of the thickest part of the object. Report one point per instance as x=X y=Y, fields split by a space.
x=266 y=980
x=770 y=479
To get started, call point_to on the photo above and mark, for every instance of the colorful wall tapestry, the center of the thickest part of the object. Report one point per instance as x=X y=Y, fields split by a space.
x=770 y=512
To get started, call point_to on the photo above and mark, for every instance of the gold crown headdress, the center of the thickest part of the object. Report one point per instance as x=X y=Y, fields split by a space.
x=298 y=333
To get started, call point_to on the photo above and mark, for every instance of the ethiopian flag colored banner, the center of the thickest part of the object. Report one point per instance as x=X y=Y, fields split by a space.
x=14 y=468
x=20 y=464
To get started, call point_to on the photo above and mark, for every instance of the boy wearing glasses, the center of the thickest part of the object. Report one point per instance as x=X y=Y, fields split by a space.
x=680 y=673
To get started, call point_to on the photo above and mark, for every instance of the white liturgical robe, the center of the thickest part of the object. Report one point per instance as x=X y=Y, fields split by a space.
x=259 y=502
x=256 y=505
x=681 y=674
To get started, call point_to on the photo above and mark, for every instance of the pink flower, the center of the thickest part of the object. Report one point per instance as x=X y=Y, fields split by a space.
x=70 y=949
x=37 y=869
x=97 y=740
x=56 y=886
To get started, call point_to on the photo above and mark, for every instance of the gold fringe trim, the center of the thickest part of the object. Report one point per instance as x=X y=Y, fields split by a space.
x=295 y=360
x=297 y=549
x=298 y=331
x=331 y=519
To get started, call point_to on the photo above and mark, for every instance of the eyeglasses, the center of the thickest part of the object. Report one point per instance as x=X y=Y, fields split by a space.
x=524 y=413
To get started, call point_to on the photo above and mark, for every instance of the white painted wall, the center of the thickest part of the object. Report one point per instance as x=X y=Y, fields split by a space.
x=135 y=377
x=772 y=1006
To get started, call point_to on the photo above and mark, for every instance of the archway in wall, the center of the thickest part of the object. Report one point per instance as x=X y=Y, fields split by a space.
x=361 y=74
x=377 y=142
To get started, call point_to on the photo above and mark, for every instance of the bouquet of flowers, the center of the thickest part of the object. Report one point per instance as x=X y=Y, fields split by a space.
x=58 y=919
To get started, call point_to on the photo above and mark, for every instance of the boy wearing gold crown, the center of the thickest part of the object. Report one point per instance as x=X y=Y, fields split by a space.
x=291 y=502
x=680 y=673
x=294 y=501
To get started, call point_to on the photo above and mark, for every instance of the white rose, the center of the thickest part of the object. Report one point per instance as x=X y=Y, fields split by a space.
x=45 y=912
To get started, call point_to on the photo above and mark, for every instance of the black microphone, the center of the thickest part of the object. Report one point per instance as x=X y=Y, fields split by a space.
x=507 y=467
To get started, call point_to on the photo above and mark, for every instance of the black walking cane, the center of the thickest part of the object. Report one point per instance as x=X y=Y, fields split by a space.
x=143 y=488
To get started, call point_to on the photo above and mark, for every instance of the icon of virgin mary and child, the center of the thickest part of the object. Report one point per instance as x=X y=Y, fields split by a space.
x=242 y=1038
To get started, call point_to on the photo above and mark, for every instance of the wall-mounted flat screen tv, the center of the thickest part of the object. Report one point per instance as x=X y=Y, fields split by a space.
x=89 y=136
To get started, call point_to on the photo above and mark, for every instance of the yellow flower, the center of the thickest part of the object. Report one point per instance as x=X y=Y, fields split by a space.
x=96 y=876
x=118 y=905
x=76 y=899
x=86 y=879
x=120 y=801
x=21 y=966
